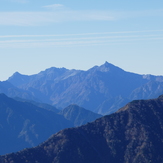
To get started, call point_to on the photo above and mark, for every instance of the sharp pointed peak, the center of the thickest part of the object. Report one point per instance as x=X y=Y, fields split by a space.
x=107 y=63
x=106 y=67
x=17 y=73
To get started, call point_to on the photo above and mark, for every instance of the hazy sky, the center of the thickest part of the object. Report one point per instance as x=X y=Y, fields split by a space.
x=38 y=34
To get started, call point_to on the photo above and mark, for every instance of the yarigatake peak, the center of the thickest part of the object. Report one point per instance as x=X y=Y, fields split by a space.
x=102 y=89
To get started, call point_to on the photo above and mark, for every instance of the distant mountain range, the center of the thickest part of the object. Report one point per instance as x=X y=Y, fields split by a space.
x=26 y=124
x=101 y=89
x=134 y=134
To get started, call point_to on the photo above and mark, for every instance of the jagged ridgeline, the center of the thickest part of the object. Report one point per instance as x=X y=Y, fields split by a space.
x=134 y=134
x=101 y=89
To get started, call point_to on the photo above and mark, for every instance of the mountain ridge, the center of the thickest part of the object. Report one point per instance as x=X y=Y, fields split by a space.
x=132 y=134
x=22 y=124
x=25 y=124
x=98 y=89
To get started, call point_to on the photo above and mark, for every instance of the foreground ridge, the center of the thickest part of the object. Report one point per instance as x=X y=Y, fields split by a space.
x=134 y=134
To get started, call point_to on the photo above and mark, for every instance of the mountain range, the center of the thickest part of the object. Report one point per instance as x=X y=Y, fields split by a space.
x=102 y=89
x=134 y=134
x=25 y=124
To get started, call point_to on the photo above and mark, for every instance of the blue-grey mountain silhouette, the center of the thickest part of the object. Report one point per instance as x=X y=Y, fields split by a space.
x=101 y=89
x=27 y=124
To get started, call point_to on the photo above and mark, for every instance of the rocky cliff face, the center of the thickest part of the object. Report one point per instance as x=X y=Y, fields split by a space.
x=134 y=134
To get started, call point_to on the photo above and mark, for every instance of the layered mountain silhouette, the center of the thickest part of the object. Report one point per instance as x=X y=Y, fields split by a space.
x=78 y=115
x=101 y=89
x=132 y=134
x=12 y=91
x=24 y=124
x=41 y=105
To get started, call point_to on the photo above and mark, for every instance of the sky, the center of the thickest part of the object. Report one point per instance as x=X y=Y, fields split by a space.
x=38 y=34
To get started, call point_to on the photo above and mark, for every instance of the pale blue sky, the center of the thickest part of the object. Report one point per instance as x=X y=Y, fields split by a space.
x=38 y=34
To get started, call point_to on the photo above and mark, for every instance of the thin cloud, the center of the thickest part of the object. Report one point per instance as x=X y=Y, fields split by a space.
x=89 y=39
x=45 y=18
x=47 y=44
x=57 y=16
x=54 y=6
x=81 y=34
x=26 y=18
x=85 y=38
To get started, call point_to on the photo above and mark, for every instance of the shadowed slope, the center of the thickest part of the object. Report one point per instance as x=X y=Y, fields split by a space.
x=23 y=124
x=132 y=135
